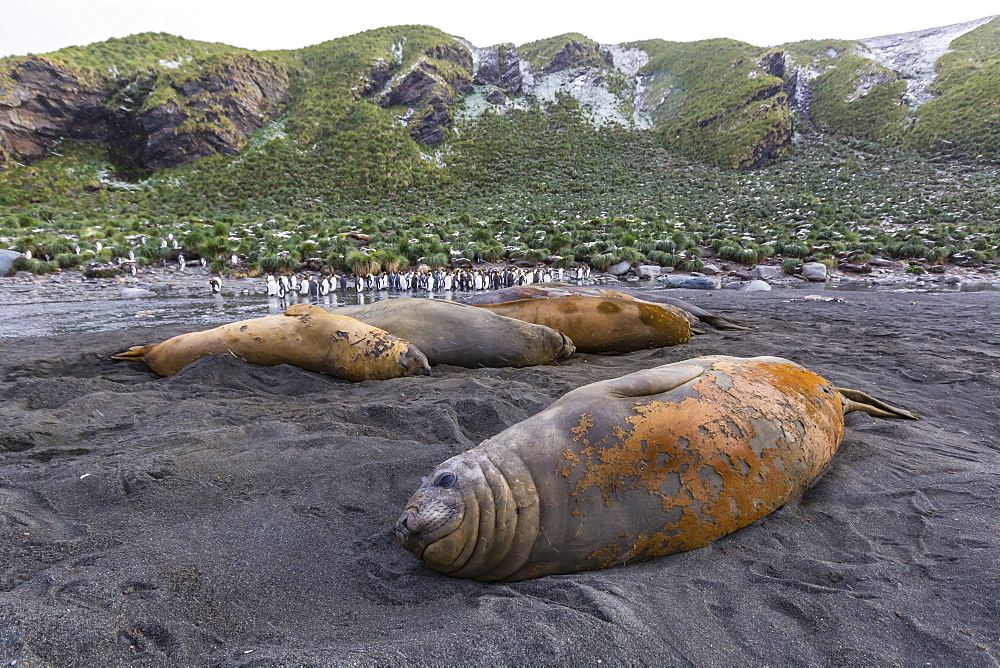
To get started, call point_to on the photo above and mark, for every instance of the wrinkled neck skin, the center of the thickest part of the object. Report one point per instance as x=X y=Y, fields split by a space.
x=484 y=526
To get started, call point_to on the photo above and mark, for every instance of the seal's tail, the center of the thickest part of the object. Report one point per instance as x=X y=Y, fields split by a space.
x=855 y=400
x=133 y=353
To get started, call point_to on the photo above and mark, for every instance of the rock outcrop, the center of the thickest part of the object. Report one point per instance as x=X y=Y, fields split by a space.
x=500 y=66
x=378 y=76
x=214 y=112
x=429 y=90
x=577 y=54
x=41 y=104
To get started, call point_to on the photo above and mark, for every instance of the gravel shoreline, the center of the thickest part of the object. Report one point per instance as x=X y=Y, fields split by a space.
x=193 y=281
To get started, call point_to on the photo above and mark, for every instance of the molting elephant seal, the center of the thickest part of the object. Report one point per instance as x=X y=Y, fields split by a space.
x=624 y=470
x=694 y=314
x=450 y=333
x=305 y=336
x=602 y=324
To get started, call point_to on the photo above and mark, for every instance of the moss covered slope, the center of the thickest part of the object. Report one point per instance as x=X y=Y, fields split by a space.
x=964 y=120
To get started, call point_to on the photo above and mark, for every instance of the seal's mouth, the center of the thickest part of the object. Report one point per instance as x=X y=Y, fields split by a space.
x=408 y=533
x=429 y=517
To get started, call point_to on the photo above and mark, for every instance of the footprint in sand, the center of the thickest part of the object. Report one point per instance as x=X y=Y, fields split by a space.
x=28 y=512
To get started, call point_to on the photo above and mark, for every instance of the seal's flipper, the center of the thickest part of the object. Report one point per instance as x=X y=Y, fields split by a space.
x=133 y=353
x=723 y=323
x=654 y=381
x=855 y=400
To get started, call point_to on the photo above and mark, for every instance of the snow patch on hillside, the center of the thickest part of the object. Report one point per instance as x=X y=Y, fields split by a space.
x=914 y=54
x=585 y=84
x=629 y=62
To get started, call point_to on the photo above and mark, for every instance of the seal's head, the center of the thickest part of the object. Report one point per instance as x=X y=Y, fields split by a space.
x=433 y=514
x=414 y=362
x=475 y=517
x=432 y=526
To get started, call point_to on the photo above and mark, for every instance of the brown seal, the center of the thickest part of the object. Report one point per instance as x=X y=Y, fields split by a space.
x=450 y=333
x=305 y=336
x=602 y=324
x=655 y=462
x=694 y=313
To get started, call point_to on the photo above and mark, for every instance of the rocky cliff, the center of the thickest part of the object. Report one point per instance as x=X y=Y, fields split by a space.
x=429 y=90
x=41 y=104
x=212 y=111
x=156 y=120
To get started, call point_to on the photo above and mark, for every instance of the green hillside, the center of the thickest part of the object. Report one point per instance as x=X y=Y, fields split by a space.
x=527 y=181
x=724 y=107
x=964 y=120
x=854 y=95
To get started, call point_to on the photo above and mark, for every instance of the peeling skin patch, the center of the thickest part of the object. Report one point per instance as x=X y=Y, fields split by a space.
x=733 y=451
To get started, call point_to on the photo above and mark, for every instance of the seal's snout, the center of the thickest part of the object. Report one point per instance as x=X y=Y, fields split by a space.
x=403 y=527
x=431 y=514
x=568 y=347
x=414 y=362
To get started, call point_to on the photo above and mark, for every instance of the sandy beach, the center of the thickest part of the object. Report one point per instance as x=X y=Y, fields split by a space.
x=242 y=515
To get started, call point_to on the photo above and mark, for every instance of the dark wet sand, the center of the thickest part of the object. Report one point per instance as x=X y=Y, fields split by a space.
x=243 y=515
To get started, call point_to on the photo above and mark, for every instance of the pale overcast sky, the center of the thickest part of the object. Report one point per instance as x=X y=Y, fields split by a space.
x=39 y=26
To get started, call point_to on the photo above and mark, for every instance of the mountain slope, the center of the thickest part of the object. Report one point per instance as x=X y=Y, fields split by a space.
x=162 y=101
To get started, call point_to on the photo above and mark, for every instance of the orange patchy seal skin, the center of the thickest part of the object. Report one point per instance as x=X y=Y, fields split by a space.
x=630 y=469
x=694 y=315
x=305 y=336
x=602 y=324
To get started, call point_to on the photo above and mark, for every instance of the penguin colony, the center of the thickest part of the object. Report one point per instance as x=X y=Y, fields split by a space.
x=410 y=281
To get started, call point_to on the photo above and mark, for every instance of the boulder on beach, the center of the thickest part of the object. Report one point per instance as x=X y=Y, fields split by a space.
x=766 y=272
x=693 y=282
x=647 y=271
x=7 y=258
x=814 y=271
x=619 y=269
x=755 y=285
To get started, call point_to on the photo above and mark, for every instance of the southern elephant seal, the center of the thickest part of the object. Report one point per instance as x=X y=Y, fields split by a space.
x=602 y=324
x=624 y=470
x=305 y=336
x=450 y=333
x=542 y=290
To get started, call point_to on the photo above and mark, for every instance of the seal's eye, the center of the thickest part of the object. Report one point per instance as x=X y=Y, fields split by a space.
x=445 y=480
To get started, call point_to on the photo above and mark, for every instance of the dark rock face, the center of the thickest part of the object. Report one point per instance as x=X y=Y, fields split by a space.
x=378 y=76
x=41 y=104
x=455 y=52
x=573 y=54
x=412 y=88
x=213 y=113
x=774 y=64
x=430 y=91
x=495 y=96
x=429 y=127
x=500 y=66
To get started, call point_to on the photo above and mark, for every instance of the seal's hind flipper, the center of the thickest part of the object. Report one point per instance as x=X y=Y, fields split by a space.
x=654 y=381
x=723 y=323
x=133 y=353
x=855 y=400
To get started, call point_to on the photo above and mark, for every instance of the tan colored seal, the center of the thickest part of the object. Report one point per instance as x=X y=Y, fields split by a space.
x=694 y=314
x=450 y=333
x=602 y=324
x=655 y=462
x=305 y=336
